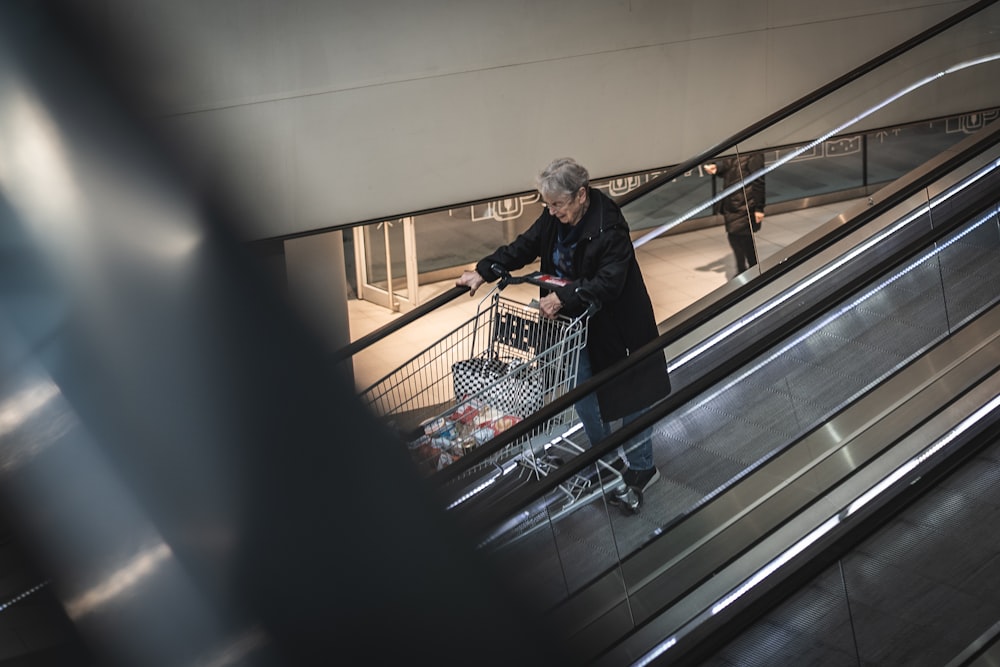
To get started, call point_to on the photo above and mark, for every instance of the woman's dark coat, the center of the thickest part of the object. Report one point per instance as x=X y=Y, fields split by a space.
x=605 y=261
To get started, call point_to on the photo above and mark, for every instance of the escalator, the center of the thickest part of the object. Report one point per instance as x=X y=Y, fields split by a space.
x=900 y=587
x=919 y=590
x=928 y=272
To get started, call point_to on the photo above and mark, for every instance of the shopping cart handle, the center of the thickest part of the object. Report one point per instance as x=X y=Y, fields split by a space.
x=501 y=270
x=549 y=281
x=541 y=279
x=593 y=304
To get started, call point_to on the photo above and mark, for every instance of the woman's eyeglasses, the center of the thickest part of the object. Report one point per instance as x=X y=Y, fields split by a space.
x=560 y=205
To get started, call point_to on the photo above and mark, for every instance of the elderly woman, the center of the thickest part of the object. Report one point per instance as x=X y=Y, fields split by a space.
x=582 y=236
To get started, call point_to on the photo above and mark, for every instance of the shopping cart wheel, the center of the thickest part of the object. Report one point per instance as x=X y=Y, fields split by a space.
x=628 y=498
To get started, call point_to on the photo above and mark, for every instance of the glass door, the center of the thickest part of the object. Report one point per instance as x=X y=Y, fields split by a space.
x=386 y=261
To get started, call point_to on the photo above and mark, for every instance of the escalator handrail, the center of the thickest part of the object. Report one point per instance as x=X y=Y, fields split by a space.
x=398 y=323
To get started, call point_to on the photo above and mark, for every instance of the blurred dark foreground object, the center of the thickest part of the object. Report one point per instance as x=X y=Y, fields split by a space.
x=178 y=455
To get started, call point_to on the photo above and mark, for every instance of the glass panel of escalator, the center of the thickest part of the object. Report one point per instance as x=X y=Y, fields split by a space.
x=895 y=150
x=564 y=540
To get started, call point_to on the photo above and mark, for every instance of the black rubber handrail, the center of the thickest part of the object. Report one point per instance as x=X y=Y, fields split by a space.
x=398 y=323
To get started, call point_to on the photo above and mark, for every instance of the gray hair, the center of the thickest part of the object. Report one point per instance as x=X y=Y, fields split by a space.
x=563 y=176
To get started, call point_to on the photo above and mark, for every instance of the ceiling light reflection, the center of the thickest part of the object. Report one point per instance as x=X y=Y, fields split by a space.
x=22 y=405
x=35 y=173
x=121 y=582
x=16 y=411
x=64 y=190
x=237 y=651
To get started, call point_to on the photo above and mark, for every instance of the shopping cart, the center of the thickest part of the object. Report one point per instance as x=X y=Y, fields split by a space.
x=503 y=364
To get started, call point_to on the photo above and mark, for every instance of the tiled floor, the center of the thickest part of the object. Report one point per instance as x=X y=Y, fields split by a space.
x=678 y=269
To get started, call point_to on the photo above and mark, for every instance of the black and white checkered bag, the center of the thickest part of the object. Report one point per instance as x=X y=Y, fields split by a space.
x=498 y=384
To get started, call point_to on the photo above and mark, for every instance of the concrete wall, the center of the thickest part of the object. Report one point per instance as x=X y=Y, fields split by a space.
x=323 y=113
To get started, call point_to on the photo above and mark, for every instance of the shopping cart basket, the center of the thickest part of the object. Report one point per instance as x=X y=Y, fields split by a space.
x=489 y=373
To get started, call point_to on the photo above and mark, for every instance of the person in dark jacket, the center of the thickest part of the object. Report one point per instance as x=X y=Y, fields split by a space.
x=743 y=209
x=582 y=237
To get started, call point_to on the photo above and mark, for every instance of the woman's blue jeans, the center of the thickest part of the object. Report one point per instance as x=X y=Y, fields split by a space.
x=638 y=450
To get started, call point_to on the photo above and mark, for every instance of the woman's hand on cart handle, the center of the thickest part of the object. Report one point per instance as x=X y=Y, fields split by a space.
x=550 y=305
x=593 y=305
x=470 y=279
